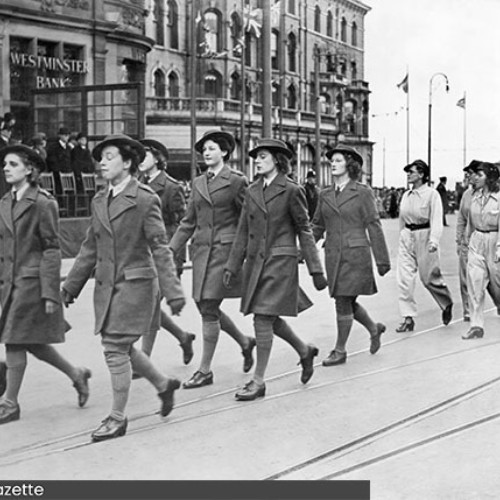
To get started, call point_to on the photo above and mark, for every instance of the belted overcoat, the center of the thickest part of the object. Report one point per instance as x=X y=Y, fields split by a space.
x=211 y=220
x=126 y=243
x=30 y=267
x=271 y=222
x=353 y=231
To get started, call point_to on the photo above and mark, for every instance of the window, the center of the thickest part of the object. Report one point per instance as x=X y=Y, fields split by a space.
x=212 y=31
x=317 y=19
x=276 y=89
x=248 y=49
x=292 y=52
x=22 y=78
x=236 y=34
x=173 y=85
x=291 y=6
x=354 y=34
x=354 y=71
x=213 y=84
x=173 y=24
x=235 y=86
x=159 y=14
x=329 y=24
x=274 y=50
x=324 y=103
x=159 y=83
x=343 y=30
x=292 y=97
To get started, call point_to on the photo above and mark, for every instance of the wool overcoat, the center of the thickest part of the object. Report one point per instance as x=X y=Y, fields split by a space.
x=211 y=220
x=30 y=269
x=126 y=243
x=270 y=223
x=353 y=231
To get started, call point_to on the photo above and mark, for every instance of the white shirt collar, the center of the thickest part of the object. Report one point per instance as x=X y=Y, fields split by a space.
x=116 y=190
x=63 y=144
x=342 y=186
x=216 y=171
x=154 y=176
x=20 y=192
x=268 y=180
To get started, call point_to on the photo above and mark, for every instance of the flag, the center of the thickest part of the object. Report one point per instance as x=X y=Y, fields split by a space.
x=404 y=84
x=252 y=20
x=461 y=103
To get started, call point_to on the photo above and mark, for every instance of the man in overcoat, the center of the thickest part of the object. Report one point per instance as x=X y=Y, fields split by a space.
x=126 y=243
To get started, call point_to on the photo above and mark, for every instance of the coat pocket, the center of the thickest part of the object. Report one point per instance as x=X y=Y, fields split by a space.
x=29 y=272
x=358 y=242
x=278 y=251
x=226 y=238
x=140 y=273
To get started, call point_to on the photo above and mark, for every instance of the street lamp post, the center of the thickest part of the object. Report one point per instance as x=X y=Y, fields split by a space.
x=429 y=134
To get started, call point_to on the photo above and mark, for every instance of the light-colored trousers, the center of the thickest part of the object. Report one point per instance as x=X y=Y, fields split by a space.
x=463 y=252
x=482 y=273
x=414 y=256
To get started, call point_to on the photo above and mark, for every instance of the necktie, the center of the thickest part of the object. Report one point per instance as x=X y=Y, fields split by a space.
x=265 y=186
x=147 y=178
x=110 y=197
x=337 y=191
x=14 y=198
x=210 y=175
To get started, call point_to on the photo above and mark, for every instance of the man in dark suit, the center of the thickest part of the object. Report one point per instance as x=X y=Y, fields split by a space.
x=441 y=189
x=81 y=160
x=59 y=156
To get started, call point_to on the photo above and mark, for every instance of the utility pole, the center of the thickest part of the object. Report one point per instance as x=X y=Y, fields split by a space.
x=193 y=89
x=243 y=142
x=317 y=116
x=266 y=69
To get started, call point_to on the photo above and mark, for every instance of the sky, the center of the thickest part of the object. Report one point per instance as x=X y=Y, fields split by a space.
x=456 y=37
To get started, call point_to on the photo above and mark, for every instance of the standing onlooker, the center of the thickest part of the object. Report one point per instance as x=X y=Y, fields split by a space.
x=81 y=160
x=443 y=193
x=274 y=215
x=126 y=247
x=483 y=265
x=32 y=316
x=59 y=157
x=312 y=193
x=421 y=226
x=173 y=208
x=211 y=219
x=347 y=213
x=5 y=133
x=39 y=144
x=393 y=203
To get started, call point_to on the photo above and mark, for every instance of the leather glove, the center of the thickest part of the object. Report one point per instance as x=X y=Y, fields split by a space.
x=66 y=298
x=319 y=281
x=176 y=306
x=227 y=277
x=383 y=269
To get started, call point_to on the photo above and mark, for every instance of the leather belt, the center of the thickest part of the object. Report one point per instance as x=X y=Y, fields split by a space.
x=487 y=230
x=416 y=227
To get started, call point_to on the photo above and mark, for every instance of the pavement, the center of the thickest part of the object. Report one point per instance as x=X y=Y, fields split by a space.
x=450 y=453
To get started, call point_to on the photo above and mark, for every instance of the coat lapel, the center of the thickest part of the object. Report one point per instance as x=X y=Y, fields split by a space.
x=350 y=191
x=256 y=192
x=329 y=198
x=24 y=203
x=158 y=183
x=6 y=211
x=125 y=200
x=220 y=181
x=276 y=187
x=101 y=209
x=201 y=184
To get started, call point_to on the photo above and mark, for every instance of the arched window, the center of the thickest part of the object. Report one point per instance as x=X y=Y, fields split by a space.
x=275 y=49
x=173 y=84
x=317 y=19
x=324 y=101
x=248 y=49
x=354 y=70
x=213 y=84
x=173 y=23
x=235 y=86
x=275 y=90
x=354 y=34
x=159 y=83
x=292 y=97
x=365 y=110
x=350 y=116
x=159 y=14
x=292 y=52
x=236 y=34
x=343 y=30
x=329 y=24
x=291 y=6
x=212 y=27
x=306 y=160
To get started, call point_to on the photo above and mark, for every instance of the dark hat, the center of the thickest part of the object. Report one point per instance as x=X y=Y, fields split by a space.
x=64 y=131
x=80 y=135
x=157 y=145
x=119 y=140
x=33 y=156
x=490 y=170
x=420 y=164
x=443 y=179
x=273 y=145
x=216 y=135
x=344 y=150
x=311 y=173
x=472 y=166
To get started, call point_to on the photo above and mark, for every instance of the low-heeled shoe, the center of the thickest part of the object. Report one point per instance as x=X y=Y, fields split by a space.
x=81 y=384
x=187 y=348
x=447 y=314
x=9 y=413
x=247 y=355
x=335 y=358
x=476 y=332
x=167 y=396
x=251 y=391
x=407 y=325
x=110 y=428
x=307 y=363
x=3 y=377
x=375 y=339
x=199 y=379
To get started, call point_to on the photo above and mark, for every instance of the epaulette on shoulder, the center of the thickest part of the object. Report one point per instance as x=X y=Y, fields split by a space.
x=173 y=179
x=146 y=188
x=293 y=181
x=237 y=172
x=362 y=186
x=47 y=194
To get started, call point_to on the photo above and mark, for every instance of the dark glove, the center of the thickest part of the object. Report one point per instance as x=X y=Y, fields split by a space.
x=227 y=277
x=176 y=306
x=383 y=269
x=66 y=298
x=319 y=281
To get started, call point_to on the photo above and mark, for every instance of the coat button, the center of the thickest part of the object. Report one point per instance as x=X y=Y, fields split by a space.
x=251 y=236
x=261 y=255
x=99 y=282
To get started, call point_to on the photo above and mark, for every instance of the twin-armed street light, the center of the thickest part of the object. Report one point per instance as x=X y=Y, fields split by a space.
x=429 y=137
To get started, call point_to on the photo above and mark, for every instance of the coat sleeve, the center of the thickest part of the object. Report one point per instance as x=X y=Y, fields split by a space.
x=374 y=227
x=154 y=229
x=239 y=248
x=186 y=227
x=241 y=191
x=300 y=217
x=318 y=221
x=83 y=266
x=461 y=234
x=50 y=264
x=177 y=203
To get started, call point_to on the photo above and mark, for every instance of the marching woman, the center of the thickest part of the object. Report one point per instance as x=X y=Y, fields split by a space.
x=347 y=214
x=173 y=208
x=32 y=316
x=483 y=264
x=421 y=226
x=211 y=219
x=274 y=216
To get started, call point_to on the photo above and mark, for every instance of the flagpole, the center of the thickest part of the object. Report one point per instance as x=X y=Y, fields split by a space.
x=243 y=94
x=266 y=69
x=465 y=130
x=193 y=90
x=408 y=118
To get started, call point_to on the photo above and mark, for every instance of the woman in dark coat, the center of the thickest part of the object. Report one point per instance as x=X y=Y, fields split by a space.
x=274 y=216
x=347 y=213
x=211 y=219
x=32 y=316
